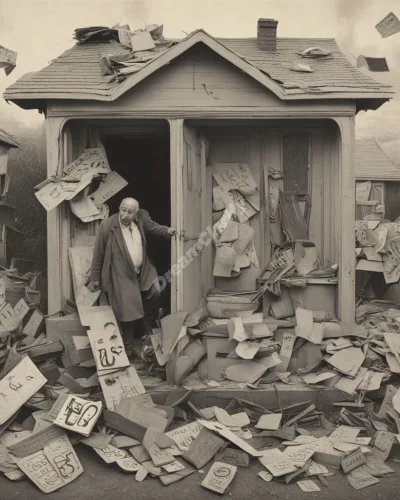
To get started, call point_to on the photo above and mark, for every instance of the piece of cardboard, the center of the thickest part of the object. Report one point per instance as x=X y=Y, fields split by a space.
x=40 y=471
x=110 y=454
x=61 y=455
x=128 y=464
x=35 y=442
x=35 y=324
x=143 y=415
x=124 y=425
x=20 y=384
x=347 y=361
x=248 y=371
x=175 y=476
x=233 y=456
x=21 y=309
x=359 y=479
x=185 y=435
x=203 y=448
x=219 y=477
x=390 y=25
x=119 y=385
x=64 y=329
x=140 y=454
x=276 y=462
x=352 y=461
x=171 y=326
x=239 y=419
x=223 y=417
x=269 y=422
x=107 y=346
x=78 y=415
x=308 y=486
x=230 y=436
x=156 y=340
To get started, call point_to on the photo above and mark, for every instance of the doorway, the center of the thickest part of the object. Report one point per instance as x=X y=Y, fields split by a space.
x=145 y=164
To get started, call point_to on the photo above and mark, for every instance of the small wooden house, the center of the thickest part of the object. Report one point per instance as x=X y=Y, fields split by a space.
x=377 y=180
x=206 y=100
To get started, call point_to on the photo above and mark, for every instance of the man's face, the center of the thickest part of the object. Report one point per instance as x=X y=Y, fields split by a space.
x=127 y=212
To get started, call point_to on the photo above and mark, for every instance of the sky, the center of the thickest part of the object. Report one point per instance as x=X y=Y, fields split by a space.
x=40 y=30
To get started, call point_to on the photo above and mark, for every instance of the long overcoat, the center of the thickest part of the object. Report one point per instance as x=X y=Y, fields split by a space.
x=113 y=268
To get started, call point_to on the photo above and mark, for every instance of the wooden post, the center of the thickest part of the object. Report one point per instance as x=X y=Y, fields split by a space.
x=346 y=218
x=54 y=218
x=176 y=158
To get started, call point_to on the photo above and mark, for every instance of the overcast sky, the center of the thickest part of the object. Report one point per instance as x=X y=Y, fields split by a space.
x=40 y=30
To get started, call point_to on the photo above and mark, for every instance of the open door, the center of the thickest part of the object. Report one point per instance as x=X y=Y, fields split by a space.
x=191 y=285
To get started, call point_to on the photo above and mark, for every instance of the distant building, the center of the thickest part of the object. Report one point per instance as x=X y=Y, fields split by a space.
x=377 y=180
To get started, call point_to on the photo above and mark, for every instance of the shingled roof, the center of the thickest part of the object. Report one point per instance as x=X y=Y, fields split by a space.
x=372 y=163
x=8 y=139
x=76 y=73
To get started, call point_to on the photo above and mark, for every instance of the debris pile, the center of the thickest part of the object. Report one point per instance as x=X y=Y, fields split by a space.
x=76 y=182
x=378 y=248
x=133 y=49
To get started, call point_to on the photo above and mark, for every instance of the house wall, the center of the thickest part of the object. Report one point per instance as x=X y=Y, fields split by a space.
x=201 y=86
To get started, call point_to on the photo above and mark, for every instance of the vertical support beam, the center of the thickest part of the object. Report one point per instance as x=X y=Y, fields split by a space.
x=346 y=213
x=176 y=158
x=54 y=217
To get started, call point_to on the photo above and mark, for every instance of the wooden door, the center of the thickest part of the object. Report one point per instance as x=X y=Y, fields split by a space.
x=189 y=258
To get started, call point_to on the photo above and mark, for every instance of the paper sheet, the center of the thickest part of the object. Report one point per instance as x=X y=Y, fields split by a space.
x=18 y=386
x=91 y=159
x=112 y=184
x=122 y=384
x=218 y=201
x=78 y=415
x=225 y=258
x=107 y=346
x=306 y=328
x=40 y=471
x=61 y=455
x=54 y=193
x=237 y=176
x=276 y=462
x=390 y=25
x=83 y=206
x=269 y=422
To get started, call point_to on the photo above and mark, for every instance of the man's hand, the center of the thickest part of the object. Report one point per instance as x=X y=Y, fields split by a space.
x=93 y=286
x=171 y=231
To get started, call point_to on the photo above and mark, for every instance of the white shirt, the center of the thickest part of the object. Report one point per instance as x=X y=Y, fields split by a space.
x=133 y=240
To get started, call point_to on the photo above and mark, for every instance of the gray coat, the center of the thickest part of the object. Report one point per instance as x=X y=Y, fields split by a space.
x=112 y=266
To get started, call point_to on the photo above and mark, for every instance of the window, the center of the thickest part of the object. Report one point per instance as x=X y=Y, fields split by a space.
x=296 y=163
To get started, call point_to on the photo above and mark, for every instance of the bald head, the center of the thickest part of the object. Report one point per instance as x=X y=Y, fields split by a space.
x=128 y=210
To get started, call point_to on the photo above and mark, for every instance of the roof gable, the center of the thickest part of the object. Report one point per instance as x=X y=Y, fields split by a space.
x=76 y=73
x=372 y=163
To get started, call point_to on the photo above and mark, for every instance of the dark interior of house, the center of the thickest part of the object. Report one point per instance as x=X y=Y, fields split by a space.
x=145 y=164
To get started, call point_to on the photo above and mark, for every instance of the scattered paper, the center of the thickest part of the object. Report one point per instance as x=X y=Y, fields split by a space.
x=219 y=477
x=110 y=454
x=390 y=25
x=225 y=258
x=119 y=385
x=306 y=328
x=61 y=455
x=269 y=422
x=78 y=415
x=108 y=347
x=18 y=386
x=40 y=471
x=308 y=486
x=347 y=361
x=276 y=462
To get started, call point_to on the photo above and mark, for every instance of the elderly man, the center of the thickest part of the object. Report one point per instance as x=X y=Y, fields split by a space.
x=123 y=270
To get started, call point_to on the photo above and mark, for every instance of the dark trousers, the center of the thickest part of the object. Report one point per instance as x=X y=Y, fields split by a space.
x=137 y=328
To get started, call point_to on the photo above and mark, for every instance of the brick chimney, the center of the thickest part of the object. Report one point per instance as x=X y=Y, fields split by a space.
x=266 y=34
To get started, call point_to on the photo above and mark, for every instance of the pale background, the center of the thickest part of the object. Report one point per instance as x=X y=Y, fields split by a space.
x=40 y=30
